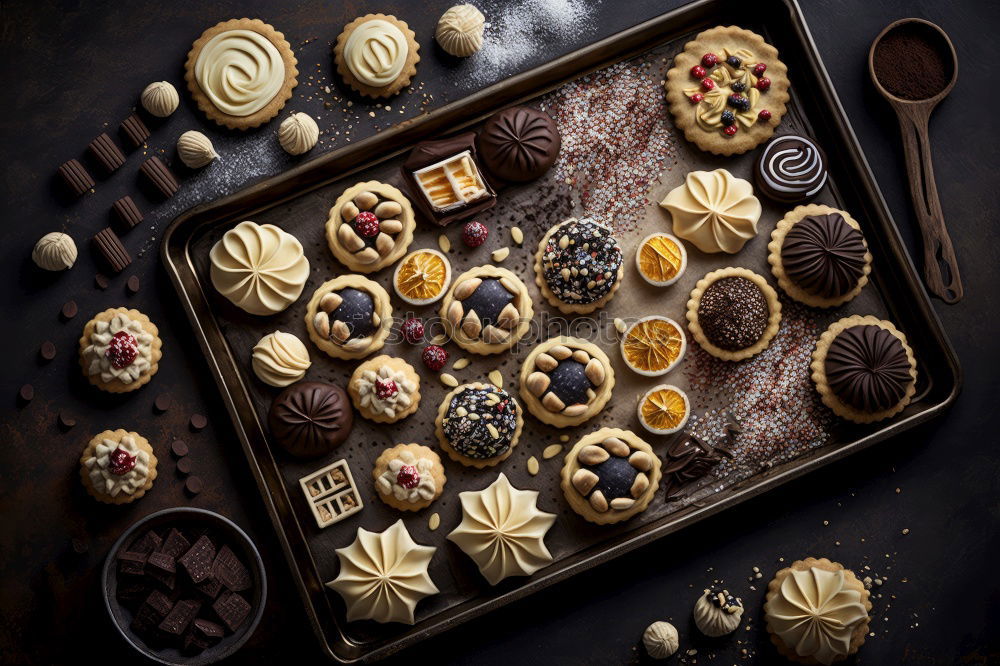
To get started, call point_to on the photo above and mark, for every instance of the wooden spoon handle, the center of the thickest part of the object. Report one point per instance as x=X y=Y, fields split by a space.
x=940 y=265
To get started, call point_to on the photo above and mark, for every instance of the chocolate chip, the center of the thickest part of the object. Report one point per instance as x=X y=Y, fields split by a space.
x=162 y=403
x=133 y=129
x=76 y=177
x=101 y=280
x=194 y=484
x=69 y=310
x=66 y=421
x=127 y=214
x=47 y=351
x=27 y=393
x=133 y=284
x=107 y=153
x=184 y=465
x=179 y=448
x=109 y=247
x=158 y=175
x=198 y=422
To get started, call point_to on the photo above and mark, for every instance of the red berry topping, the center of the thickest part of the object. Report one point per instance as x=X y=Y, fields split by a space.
x=366 y=224
x=122 y=349
x=707 y=84
x=729 y=130
x=710 y=60
x=698 y=72
x=413 y=330
x=408 y=476
x=759 y=69
x=474 y=233
x=695 y=98
x=385 y=388
x=121 y=461
x=764 y=115
x=763 y=83
x=434 y=357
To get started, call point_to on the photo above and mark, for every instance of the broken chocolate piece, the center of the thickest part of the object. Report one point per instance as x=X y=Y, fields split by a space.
x=231 y=571
x=131 y=564
x=77 y=179
x=180 y=616
x=127 y=214
x=197 y=561
x=112 y=252
x=107 y=153
x=176 y=544
x=689 y=458
x=157 y=173
x=163 y=569
x=147 y=543
x=232 y=609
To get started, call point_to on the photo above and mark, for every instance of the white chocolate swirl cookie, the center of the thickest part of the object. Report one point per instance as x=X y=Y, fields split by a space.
x=376 y=53
x=240 y=71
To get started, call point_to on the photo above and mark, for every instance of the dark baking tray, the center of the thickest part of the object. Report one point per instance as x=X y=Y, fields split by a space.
x=314 y=185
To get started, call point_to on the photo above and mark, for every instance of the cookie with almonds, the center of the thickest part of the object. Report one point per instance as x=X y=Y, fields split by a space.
x=370 y=226
x=349 y=317
x=487 y=310
x=566 y=381
x=610 y=475
x=478 y=424
x=578 y=266
x=385 y=389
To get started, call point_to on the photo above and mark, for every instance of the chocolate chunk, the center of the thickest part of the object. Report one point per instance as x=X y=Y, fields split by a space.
x=66 y=420
x=184 y=466
x=127 y=214
x=76 y=177
x=162 y=568
x=148 y=543
x=132 y=284
x=198 y=422
x=194 y=484
x=101 y=281
x=47 y=351
x=69 y=310
x=110 y=248
x=232 y=609
x=202 y=634
x=208 y=629
x=231 y=571
x=107 y=153
x=131 y=564
x=132 y=594
x=176 y=544
x=157 y=173
x=179 y=447
x=180 y=616
x=146 y=621
x=133 y=129
x=27 y=393
x=210 y=587
x=197 y=561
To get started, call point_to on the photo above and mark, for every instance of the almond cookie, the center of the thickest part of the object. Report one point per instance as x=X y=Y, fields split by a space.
x=385 y=389
x=819 y=256
x=727 y=90
x=817 y=612
x=578 y=266
x=566 y=381
x=478 y=424
x=409 y=477
x=370 y=226
x=241 y=73
x=486 y=310
x=864 y=369
x=120 y=350
x=349 y=317
x=733 y=313
x=117 y=466
x=377 y=55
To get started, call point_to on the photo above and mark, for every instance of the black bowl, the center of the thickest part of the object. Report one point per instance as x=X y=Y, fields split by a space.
x=182 y=517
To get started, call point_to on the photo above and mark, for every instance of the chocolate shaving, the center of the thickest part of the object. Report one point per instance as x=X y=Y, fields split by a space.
x=688 y=459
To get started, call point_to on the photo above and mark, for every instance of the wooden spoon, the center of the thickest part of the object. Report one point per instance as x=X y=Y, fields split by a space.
x=940 y=265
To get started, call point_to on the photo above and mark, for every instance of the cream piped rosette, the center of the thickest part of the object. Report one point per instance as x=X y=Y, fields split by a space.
x=259 y=267
x=409 y=477
x=118 y=466
x=383 y=575
x=377 y=54
x=280 y=359
x=714 y=210
x=503 y=530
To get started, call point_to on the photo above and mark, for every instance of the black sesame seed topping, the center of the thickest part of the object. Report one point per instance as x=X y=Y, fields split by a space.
x=480 y=422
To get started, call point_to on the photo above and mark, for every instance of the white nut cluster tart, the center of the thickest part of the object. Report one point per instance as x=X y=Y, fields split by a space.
x=370 y=226
x=349 y=317
x=565 y=381
x=487 y=310
x=610 y=475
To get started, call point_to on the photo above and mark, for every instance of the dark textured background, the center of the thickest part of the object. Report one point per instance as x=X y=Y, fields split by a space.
x=70 y=68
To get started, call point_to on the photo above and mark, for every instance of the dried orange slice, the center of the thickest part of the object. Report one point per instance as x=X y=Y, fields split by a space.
x=653 y=345
x=664 y=409
x=422 y=277
x=661 y=259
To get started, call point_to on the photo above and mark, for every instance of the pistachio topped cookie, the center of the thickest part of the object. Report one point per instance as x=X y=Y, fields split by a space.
x=377 y=55
x=727 y=90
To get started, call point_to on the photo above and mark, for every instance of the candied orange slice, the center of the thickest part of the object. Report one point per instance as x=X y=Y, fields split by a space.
x=664 y=410
x=660 y=259
x=422 y=277
x=653 y=345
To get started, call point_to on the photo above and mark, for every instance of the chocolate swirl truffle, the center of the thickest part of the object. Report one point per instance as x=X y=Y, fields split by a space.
x=824 y=255
x=733 y=313
x=578 y=266
x=791 y=168
x=310 y=418
x=867 y=368
x=519 y=144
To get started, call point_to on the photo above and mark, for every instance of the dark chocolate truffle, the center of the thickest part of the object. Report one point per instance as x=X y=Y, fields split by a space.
x=580 y=262
x=824 y=255
x=519 y=144
x=868 y=369
x=309 y=419
x=791 y=168
x=470 y=414
x=733 y=313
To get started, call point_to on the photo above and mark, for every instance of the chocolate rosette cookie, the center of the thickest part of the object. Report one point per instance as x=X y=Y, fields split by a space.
x=565 y=381
x=310 y=419
x=478 y=424
x=349 y=317
x=370 y=226
x=519 y=144
x=610 y=475
x=864 y=369
x=819 y=256
x=578 y=266
x=486 y=310
x=790 y=168
x=733 y=313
